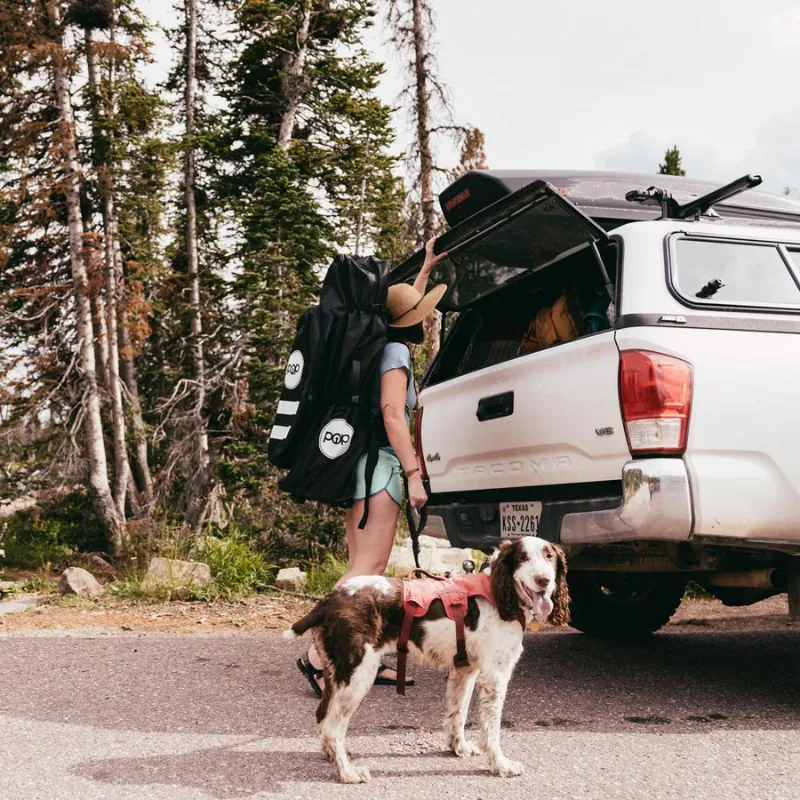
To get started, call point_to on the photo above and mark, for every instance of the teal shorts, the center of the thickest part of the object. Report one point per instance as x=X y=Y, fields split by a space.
x=386 y=476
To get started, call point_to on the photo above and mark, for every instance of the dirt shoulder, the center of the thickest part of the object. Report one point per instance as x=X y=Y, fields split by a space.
x=257 y=615
x=270 y=615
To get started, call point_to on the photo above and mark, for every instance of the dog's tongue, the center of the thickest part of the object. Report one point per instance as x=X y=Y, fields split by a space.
x=542 y=606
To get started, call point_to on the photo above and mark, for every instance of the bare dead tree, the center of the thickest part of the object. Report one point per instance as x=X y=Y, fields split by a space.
x=427 y=100
x=295 y=81
x=196 y=507
x=111 y=285
x=99 y=487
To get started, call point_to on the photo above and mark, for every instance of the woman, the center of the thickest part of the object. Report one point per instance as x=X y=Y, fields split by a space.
x=394 y=398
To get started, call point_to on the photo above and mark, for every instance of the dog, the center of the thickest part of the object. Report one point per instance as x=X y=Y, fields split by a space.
x=360 y=621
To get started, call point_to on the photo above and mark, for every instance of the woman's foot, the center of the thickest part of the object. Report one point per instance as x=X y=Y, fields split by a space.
x=387 y=676
x=314 y=675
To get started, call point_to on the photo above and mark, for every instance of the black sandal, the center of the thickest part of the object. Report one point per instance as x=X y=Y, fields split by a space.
x=379 y=681
x=312 y=674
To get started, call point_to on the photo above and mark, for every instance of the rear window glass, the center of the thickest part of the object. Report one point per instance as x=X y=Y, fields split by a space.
x=533 y=239
x=733 y=274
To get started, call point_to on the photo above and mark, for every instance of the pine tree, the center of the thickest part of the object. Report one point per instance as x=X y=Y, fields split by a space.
x=672 y=163
x=308 y=171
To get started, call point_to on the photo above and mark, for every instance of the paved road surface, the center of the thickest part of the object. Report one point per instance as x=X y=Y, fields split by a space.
x=690 y=714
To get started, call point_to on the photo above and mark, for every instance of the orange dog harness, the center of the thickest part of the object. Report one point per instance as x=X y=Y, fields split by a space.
x=454 y=594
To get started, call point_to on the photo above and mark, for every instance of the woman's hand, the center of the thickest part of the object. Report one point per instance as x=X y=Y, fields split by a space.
x=417 y=495
x=431 y=260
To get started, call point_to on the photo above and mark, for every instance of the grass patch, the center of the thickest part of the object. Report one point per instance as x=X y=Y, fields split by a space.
x=236 y=567
x=42 y=582
x=322 y=577
x=694 y=591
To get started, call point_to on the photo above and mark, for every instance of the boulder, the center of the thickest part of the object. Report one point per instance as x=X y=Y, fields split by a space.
x=99 y=562
x=75 y=580
x=175 y=576
x=291 y=578
x=435 y=555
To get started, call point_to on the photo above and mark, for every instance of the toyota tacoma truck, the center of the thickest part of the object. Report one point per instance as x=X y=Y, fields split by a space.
x=619 y=373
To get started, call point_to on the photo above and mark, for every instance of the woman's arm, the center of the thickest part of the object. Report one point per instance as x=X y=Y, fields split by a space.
x=394 y=383
x=431 y=260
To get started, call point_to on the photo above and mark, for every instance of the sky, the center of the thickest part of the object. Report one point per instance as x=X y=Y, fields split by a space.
x=612 y=85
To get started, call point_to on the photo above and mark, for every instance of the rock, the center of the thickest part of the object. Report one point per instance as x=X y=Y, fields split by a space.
x=432 y=556
x=291 y=578
x=175 y=576
x=75 y=580
x=100 y=562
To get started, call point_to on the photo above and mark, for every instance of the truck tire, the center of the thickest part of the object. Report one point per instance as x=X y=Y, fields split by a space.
x=623 y=605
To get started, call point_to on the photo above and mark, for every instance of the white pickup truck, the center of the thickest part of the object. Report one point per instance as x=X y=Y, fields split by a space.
x=620 y=375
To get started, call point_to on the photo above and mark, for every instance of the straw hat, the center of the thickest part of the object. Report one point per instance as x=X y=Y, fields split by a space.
x=407 y=306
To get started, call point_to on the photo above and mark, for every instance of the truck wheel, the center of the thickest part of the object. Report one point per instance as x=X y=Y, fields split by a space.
x=623 y=605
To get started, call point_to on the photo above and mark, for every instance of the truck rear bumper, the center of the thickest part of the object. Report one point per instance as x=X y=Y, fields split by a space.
x=655 y=505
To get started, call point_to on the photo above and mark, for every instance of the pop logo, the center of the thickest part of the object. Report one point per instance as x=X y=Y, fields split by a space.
x=294 y=370
x=335 y=438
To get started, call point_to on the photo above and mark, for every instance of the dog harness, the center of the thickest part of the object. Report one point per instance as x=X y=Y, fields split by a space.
x=454 y=593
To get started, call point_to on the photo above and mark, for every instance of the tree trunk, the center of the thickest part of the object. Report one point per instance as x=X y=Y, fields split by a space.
x=113 y=384
x=95 y=446
x=141 y=465
x=294 y=81
x=198 y=497
x=432 y=324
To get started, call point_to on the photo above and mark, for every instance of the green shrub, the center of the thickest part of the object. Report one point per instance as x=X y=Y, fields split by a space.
x=237 y=567
x=52 y=532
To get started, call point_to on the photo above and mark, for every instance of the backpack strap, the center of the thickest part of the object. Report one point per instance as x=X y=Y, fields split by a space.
x=372 y=462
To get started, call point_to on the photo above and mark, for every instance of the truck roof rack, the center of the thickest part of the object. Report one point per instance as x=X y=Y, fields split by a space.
x=672 y=209
x=601 y=196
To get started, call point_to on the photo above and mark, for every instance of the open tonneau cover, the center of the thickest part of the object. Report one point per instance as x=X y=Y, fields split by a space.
x=602 y=196
x=523 y=231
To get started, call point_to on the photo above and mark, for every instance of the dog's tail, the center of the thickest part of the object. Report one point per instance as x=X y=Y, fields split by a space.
x=313 y=619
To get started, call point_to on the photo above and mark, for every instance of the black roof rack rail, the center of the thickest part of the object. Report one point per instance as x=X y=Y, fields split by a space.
x=671 y=209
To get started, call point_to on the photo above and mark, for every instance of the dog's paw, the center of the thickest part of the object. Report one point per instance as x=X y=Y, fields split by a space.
x=505 y=768
x=354 y=774
x=464 y=749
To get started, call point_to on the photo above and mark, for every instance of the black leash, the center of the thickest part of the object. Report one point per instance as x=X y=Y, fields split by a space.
x=414 y=529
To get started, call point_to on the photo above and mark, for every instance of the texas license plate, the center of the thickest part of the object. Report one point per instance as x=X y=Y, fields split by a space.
x=520 y=519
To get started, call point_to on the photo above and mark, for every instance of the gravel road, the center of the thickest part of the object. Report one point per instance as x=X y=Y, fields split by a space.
x=699 y=711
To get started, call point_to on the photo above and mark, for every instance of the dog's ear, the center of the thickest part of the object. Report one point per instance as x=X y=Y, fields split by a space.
x=504 y=565
x=560 y=598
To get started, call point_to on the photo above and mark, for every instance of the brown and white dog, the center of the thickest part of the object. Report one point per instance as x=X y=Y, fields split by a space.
x=360 y=621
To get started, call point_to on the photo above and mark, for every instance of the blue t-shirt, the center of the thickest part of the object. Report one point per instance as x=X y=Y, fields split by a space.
x=396 y=355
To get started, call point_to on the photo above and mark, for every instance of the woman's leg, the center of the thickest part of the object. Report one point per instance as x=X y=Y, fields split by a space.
x=369 y=549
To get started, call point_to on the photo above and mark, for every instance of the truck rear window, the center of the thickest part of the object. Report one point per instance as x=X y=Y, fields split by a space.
x=720 y=273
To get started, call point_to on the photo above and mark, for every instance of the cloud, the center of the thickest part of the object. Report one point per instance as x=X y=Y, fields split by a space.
x=783 y=30
x=775 y=154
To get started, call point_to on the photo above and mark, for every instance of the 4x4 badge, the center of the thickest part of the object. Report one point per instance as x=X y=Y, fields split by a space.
x=435 y=457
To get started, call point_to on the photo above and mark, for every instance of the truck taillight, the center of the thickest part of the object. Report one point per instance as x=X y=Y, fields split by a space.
x=655 y=393
x=418 y=443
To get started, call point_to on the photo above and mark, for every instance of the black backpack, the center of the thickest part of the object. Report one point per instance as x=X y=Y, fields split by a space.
x=323 y=422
